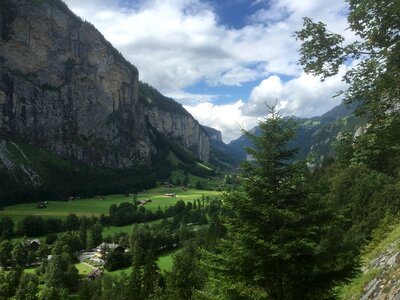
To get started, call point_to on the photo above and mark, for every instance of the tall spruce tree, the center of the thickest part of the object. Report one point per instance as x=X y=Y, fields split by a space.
x=282 y=242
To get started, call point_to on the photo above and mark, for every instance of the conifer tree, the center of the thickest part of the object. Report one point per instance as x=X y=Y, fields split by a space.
x=282 y=241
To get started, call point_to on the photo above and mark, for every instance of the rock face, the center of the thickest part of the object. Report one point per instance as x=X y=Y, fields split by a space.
x=65 y=88
x=213 y=133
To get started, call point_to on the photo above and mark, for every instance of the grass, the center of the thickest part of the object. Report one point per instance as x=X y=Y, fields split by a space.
x=193 y=179
x=355 y=289
x=166 y=261
x=31 y=269
x=126 y=270
x=111 y=230
x=95 y=207
x=84 y=270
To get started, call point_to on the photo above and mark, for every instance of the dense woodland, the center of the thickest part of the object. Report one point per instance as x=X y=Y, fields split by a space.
x=286 y=231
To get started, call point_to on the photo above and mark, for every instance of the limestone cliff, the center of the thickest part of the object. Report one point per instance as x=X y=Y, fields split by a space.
x=213 y=133
x=65 y=88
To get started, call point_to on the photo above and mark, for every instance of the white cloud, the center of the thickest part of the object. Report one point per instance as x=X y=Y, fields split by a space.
x=190 y=98
x=228 y=118
x=177 y=43
x=305 y=96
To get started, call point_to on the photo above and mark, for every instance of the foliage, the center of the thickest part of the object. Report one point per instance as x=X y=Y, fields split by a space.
x=28 y=287
x=9 y=281
x=117 y=259
x=186 y=275
x=5 y=253
x=276 y=246
x=373 y=81
x=95 y=235
x=6 y=228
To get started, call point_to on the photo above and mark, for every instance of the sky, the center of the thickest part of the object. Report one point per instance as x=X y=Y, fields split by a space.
x=222 y=60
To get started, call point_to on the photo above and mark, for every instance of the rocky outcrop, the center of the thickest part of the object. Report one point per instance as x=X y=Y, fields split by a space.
x=213 y=133
x=182 y=129
x=386 y=283
x=65 y=88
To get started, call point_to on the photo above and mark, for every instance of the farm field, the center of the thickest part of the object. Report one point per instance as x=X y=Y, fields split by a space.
x=96 y=206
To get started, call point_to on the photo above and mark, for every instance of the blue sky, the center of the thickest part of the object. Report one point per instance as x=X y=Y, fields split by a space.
x=221 y=59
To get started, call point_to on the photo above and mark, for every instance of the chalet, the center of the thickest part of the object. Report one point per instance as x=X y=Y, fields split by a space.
x=33 y=244
x=95 y=273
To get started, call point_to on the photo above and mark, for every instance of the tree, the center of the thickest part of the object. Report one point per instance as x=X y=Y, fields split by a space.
x=83 y=232
x=19 y=255
x=283 y=241
x=6 y=248
x=61 y=273
x=186 y=275
x=72 y=222
x=151 y=275
x=28 y=287
x=373 y=82
x=8 y=283
x=31 y=226
x=95 y=235
x=6 y=228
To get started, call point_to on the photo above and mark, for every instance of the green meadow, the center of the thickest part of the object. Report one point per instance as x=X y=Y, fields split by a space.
x=96 y=206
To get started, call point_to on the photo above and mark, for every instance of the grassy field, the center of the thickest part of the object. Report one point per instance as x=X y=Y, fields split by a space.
x=166 y=261
x=193 y=179
x=84 y=270
x=95 y=206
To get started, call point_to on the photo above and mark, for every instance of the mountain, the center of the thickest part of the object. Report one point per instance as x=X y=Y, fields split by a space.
x=213 y=134
x=67 y=93
x=315 y=136
x=221 y=155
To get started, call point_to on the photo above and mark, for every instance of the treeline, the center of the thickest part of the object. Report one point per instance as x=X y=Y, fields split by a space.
x=32 y=226
x=130 y=213
x=119 y=215
x=62 y=179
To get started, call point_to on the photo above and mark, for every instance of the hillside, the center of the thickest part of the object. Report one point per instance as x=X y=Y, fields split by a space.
x=316 y=136
x=67 y=92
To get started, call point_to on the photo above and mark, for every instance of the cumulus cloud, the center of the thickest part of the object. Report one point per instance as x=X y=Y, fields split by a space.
x=178 y=43
x=228 y=118
x=305 y=96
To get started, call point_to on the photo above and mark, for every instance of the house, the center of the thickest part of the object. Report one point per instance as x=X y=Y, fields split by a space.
x=33 y=244
x=170 y=195
x=95 y=273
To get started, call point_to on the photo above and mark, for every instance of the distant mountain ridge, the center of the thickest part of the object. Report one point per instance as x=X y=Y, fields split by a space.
x=315 y=137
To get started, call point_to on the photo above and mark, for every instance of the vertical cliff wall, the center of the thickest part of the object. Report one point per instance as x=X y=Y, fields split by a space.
x=65 y=88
